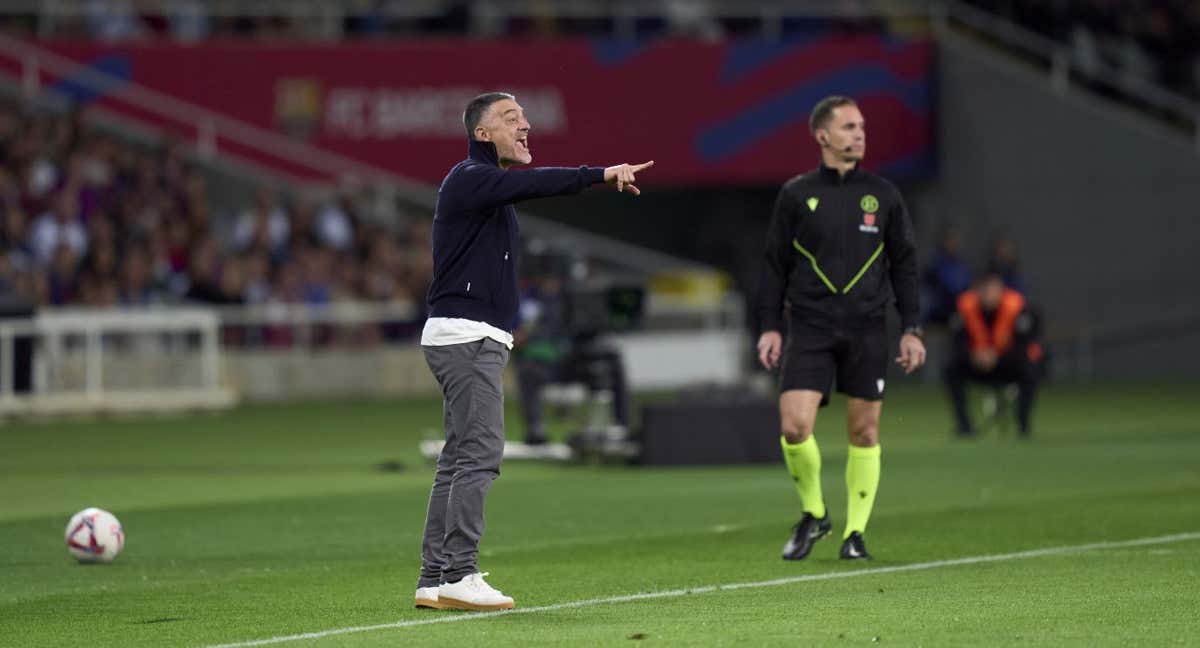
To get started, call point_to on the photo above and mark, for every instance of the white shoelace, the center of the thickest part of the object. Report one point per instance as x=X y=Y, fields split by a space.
x=476 y=582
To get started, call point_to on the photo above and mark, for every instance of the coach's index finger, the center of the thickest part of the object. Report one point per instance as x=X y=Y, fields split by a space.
x=643 y=165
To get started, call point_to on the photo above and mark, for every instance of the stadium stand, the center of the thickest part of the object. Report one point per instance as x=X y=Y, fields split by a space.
x=92 y=221
x=1156 y=42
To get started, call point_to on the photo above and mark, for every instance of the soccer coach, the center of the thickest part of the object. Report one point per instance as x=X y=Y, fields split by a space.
x=838 y=236
x=467 y=338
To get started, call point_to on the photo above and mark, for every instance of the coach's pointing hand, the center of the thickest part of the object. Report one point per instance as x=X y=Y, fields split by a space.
x=622 y=175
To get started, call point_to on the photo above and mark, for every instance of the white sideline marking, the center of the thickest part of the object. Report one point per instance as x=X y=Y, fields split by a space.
x=453 y=617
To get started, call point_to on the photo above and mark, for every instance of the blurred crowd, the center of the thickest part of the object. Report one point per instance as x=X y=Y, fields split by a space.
x=90 y=220
x=1147 y=40
x=1150 y=40
x=1144 y=40
x=191 y=20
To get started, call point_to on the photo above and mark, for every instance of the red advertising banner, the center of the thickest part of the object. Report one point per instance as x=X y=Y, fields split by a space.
x=722 y=113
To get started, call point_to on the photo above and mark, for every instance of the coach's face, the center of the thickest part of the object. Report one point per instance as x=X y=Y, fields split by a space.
x=846 y=133
x=504 y=125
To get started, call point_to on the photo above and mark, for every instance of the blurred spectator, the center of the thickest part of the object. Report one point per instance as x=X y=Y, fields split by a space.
x=364 y=18
x=946 y=278
x=316 y=268
x=693 y=19
x=113 y=20
x=97 y=291
x=265 y=227
x=62 y=275
x=60 y=226
x=1085 y=51
x=231 y=282
x=335 y=223
x=189 y=20
x=381 y=273
x=135 y=288
x=1003 y=261
x=98 y=275
x=997 y=343
x=40 y=177
x=171 y=243
x=289 y=285
x=204 y=273
x=14 y=232
x=347 y=279
x=256 y=274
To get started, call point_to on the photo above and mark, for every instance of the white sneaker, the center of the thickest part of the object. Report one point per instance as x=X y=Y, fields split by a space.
x=472 y=593
x=427 y=597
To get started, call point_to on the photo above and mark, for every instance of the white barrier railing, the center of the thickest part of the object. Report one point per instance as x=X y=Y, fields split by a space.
x=171 y=358
x=81 y=360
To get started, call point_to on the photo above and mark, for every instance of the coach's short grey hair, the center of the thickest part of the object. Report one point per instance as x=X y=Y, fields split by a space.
x=478 y=107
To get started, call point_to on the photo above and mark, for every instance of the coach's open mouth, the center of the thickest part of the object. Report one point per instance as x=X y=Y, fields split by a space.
x=523 y=144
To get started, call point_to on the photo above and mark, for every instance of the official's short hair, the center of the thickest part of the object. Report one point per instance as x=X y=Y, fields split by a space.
x=478 y=107
x=823 y=111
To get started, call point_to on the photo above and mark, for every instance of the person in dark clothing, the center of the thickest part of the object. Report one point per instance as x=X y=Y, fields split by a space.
x=1004 y=261
x=467 y=338
x=996 y=343
x=840 y=249
x=948 y=277
x=550 y=351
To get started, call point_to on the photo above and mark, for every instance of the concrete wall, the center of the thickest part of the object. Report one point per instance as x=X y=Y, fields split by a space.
x=1104 y=203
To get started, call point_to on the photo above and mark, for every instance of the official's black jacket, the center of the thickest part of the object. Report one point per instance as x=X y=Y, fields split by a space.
x=833 y=245
x=475 y=233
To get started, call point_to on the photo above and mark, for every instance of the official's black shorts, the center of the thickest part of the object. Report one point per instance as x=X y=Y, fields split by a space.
x=857 y=358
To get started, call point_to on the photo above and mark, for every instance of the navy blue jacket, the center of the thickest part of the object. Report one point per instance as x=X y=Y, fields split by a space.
x=475 y=233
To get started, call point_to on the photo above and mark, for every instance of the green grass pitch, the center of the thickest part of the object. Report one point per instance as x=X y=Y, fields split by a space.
x=274 y=520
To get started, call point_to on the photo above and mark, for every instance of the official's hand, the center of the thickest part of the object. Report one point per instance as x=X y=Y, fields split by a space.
x=770 y=343
x=984 y=359
x=622 y=176
x=912 y=353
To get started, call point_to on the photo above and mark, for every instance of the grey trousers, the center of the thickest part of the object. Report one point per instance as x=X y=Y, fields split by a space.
x=471 y=377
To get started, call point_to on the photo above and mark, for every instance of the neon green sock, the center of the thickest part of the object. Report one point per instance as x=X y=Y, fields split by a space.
x=804 y=465
x=862 y=480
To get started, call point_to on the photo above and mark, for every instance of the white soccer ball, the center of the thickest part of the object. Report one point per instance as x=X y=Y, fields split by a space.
x=94 y=535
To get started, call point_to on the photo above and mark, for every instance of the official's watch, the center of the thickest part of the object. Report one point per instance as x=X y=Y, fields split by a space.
x=915 y=330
